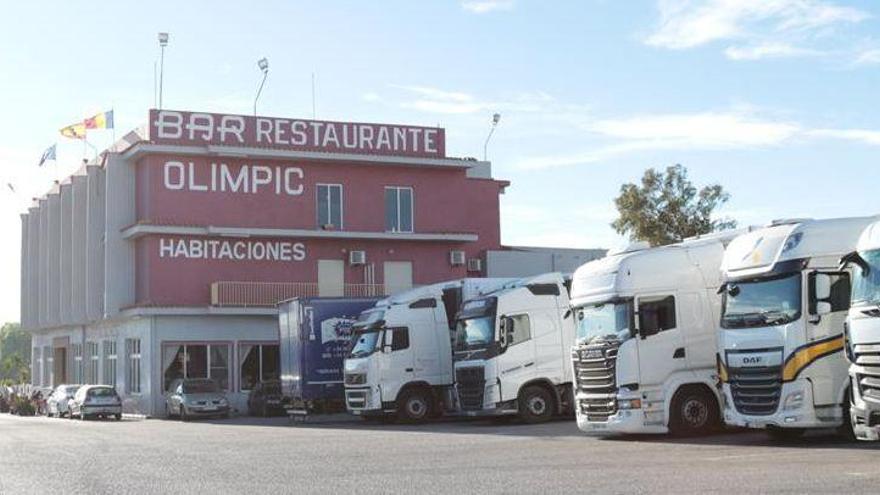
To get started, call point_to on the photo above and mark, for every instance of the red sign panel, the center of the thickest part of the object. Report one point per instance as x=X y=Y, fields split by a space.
x=194 y=128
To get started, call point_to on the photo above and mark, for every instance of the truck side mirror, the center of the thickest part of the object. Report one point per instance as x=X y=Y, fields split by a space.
x=823 y=308
x=822 y=289
x=386 y=349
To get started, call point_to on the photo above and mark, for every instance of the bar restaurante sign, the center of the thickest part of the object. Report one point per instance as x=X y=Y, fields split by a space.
x=172 y=127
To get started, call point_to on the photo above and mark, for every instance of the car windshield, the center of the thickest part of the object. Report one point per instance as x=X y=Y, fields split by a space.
x=70 y=390
x=474 y=332
x=102 y=392
x=200 y=387
x=866 y=286
x=606 y=321
x=762 y=302
x=365 y=343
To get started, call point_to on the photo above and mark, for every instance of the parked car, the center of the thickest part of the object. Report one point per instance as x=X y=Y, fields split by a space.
x=195 y=397
x=265 y=399
x=95 y=401
x=58 y=403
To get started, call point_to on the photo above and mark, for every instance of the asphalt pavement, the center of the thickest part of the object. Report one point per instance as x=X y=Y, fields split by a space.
x=342 y=454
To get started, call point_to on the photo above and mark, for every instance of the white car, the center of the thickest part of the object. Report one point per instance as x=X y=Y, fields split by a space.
x=57 y=403
x=96 y=401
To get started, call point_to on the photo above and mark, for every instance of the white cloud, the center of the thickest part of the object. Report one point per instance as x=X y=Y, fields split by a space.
x=485 y=6
x=435 y=100
x=868 y=57
x=865 y=136
x=776 y=25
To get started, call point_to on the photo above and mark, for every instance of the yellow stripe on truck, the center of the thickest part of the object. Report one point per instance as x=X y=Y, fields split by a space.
x=805 y=356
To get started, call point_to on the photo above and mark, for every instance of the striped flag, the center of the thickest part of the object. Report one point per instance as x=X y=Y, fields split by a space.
x=103 y=120
x=74 y=131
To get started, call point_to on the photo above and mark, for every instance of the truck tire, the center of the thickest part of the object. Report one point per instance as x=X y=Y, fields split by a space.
x=536 y=405
x=845 y=430
x=414 y=406
x=694 y=411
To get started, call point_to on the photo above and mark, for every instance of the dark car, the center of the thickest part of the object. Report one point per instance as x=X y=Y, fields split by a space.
x=265 y=399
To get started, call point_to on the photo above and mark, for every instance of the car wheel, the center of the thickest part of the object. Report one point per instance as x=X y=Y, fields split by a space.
x=118 y=417
x=414 y=406
x=694 y=412
x=536 y=405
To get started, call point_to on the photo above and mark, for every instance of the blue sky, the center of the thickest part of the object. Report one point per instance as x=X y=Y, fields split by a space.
x=775 y=99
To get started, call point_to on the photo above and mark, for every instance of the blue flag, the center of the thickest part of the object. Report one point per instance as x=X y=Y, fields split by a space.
x=49 y=154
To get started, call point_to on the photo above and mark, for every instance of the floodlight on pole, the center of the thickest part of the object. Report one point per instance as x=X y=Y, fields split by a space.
x=495 y=119
x=263 y=65
x=163 y=42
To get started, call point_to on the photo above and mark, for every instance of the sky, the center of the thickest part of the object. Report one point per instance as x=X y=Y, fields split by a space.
x=776 y=100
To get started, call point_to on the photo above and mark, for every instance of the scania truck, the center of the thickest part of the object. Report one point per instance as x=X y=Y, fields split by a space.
x=644 y=360
x=784 y=302
x=511 y=350
x=400 y=363
x=862 y=336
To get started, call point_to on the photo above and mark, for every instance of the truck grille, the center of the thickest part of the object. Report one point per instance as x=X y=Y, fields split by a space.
x=867 y=356
x=594 y=375
x=471 y=384
x=756 y=391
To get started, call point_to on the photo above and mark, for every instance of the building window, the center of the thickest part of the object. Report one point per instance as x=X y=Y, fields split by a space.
x=37 y=366
x=49 y=366
x=329 y=206
x=92 y=364
x=259 y=363
x=110 y=363
x=133 y=367
x=77 y=374
x=399 y=209
x=196 y=361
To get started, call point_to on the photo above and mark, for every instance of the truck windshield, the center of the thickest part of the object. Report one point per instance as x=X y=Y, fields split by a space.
x=474 y=332
x=866 y=286
x=606 y=321
x=365 y=343
x=762 y=302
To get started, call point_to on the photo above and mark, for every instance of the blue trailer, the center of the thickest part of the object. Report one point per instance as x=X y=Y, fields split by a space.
x=314 y=335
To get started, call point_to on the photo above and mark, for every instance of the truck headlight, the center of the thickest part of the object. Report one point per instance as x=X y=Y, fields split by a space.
x=629 y=404
x=793 y=400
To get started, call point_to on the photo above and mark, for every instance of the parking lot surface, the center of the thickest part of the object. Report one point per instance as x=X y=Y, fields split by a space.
x=42 y=455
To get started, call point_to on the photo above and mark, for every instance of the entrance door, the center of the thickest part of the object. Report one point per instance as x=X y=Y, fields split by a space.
x=60 y=365
x=398 y=276
x=331 y=278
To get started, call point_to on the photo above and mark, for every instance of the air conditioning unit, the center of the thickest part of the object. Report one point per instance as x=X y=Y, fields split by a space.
x=475 y=265
x=456 y=258
x=357 y=257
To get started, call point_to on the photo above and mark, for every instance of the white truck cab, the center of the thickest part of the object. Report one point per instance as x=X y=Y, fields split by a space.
x=511 y=350
x=784 y=303
x=644 y=360
x=401 y=358
x=862 y=336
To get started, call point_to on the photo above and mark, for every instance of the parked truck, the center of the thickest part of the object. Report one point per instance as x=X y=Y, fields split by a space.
x=511 y=350
x=644 y=360
x=314 y=337
x=862 y=336
x=784 y=302
x=401 y=359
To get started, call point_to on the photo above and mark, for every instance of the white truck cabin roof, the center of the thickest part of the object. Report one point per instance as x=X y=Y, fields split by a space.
x=760 y=251
x=870 y=238
x=691 y=264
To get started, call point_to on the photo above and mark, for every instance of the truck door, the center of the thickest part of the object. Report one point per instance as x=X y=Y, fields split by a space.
x=516 y=363
x=397 y=353
x=660 y=344
x=833 y=292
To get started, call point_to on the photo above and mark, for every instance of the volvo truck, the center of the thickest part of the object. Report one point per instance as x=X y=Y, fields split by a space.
x=511 y=350
x=400 y=364
x=314 y=334
x=862 y=336
x=644 y=359
x=784 y=303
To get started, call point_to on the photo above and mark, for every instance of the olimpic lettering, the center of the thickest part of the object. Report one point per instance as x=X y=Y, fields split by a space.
x=220 y=177
x=212 y=249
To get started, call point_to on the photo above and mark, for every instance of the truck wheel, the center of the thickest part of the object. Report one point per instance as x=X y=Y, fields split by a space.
x=535 y=405
x=785 y=434
x=694 y=411
x=845 y=430
x=414 y=406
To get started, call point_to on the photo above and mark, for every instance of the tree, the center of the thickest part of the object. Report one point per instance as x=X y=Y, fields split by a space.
x=15 y=353
x=667 y=208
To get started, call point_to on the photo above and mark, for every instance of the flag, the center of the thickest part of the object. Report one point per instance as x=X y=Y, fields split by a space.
x=74 y=131
x=103 y=120
x=10 y=186
x=49 y=154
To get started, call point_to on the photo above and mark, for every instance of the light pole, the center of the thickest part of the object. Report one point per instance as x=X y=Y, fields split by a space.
x=263 y=64
x=495 y=118
x=163 y=42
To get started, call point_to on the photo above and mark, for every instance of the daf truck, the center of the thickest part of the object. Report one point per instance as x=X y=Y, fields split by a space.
x=784 y=302
x=400 y=363
x=511 y=350
x=644 y=359
x=862 y=336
